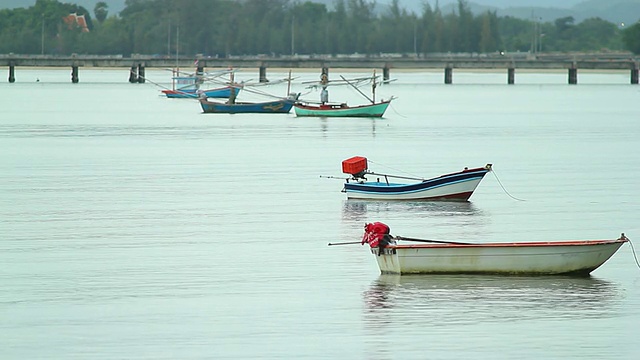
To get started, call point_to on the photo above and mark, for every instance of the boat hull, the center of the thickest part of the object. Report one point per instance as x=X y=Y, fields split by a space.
x=270 y=107
x=341 y=110
x=193 y=94
x=542 y=258
x=454 y=187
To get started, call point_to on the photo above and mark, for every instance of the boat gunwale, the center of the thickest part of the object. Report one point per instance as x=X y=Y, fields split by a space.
x=484 y=168
x=336 y=106
x=481 y=172
x=511 y=244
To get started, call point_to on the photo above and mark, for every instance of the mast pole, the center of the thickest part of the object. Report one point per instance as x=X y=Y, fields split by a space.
x=373 y=87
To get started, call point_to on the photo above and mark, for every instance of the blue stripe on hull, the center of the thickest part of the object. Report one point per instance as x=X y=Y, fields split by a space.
x=381 y=188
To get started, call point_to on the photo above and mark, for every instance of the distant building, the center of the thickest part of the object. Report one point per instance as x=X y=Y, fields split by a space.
x=76 y=21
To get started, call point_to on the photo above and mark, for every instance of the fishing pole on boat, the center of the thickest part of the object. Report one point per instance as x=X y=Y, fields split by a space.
x=355 y=87
x=146 y=79
x=205 y=76
x=402 y=238
x=332 y=177
x=251 y=89
x=346 y=243
x=410 y=176
x=393 y=176
x=154 y=83
x=189 y=95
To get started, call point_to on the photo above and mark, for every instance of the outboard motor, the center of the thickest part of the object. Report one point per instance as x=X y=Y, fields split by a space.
x=356 y=167
x=377 y=235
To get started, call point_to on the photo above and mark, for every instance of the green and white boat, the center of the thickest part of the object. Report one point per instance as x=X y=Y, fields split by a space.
x=341 y=110
x=324 y=108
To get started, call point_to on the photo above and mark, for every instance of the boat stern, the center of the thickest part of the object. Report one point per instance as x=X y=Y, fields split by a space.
x=387 y=259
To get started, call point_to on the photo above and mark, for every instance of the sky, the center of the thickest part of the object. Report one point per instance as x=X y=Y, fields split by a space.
x=118 y=5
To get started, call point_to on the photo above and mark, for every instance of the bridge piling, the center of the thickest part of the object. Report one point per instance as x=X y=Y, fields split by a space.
x=448 y=75
x=12 y=73
x=511 y=76
x=634 y=76
x=262 y=74
x=573 y=76
x=74 y=74
x=133 y=74
x=385 y=73
x=141 y=78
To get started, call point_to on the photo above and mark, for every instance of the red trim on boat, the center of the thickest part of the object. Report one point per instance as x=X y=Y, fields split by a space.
x=514 y=244
x=334 y=106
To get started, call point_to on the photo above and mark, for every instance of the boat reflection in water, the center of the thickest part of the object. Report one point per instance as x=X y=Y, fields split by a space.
x=362 y=210
x=459 y=299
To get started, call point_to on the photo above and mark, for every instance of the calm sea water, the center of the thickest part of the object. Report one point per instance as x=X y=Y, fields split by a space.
x=133 y=226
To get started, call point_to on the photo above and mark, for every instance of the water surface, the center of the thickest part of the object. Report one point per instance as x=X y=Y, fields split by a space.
x=134 y=226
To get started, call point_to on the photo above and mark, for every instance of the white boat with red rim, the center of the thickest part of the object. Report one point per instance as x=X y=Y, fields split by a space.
x=457 y=186
x=424 y=256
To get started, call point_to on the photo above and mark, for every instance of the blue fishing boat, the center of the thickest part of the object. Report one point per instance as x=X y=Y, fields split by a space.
x=280 y=106
x=223 y=92
x=191 y=85
x=458 y=186
x=231 y=106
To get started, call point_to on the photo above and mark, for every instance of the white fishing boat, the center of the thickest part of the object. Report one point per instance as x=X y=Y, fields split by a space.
x=457 y=186
x=422 y=256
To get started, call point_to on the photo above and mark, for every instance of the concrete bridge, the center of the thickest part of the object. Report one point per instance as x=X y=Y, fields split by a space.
x=136 y=64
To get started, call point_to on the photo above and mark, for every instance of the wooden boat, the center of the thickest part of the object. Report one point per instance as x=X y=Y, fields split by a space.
x=574 y=257
x=326 y=109
x=281 y=106
x=341 y=110
x=189 y=85
x=458 y=186
x=223 y=92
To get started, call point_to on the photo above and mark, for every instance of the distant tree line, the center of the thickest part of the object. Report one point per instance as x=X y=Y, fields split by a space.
x=284 y=27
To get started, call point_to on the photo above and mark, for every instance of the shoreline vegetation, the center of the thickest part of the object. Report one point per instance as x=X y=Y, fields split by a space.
x=168 y=28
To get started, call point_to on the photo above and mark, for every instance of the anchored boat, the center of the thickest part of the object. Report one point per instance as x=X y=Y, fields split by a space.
x=334 y=109
x=281 y=106
x=422 y=256
x=223 y=92
x=454 y=186
x=341 y=110
x=231 y=106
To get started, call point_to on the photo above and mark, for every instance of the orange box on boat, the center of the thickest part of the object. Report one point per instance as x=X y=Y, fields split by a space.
x=354 y=165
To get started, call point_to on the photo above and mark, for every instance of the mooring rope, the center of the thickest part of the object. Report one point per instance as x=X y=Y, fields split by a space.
x=634 y=253
x=396 y=111
x=503 y=189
